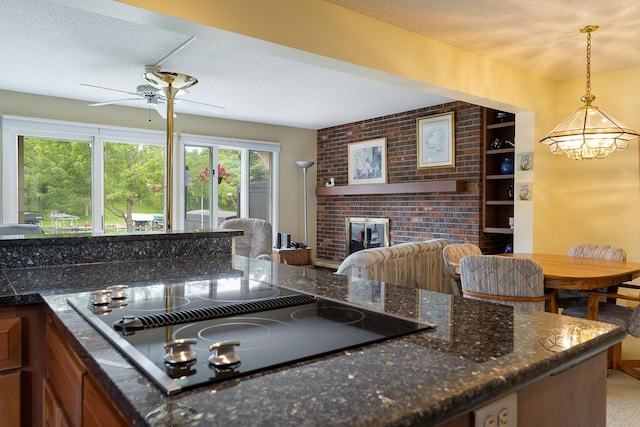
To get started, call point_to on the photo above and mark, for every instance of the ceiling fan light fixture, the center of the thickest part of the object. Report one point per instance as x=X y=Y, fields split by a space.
x=165 y=79
x=589 y=133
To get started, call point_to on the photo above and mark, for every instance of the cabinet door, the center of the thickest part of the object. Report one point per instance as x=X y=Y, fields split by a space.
x=52 y=412
x=97 y=409
x=10 y=399
x=64 y=373
x=10 y=343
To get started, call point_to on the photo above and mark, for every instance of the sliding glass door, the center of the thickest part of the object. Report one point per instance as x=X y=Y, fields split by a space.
x=216 y=181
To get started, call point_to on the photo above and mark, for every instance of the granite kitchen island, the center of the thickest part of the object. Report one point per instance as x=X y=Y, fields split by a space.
x=477 y=353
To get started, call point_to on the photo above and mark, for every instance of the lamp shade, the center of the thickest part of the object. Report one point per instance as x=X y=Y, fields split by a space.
x=304 y=164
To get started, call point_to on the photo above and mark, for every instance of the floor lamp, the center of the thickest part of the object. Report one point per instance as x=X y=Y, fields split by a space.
x=304 y=164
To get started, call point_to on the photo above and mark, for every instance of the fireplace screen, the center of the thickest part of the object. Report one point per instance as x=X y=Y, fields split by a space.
x=364 y=233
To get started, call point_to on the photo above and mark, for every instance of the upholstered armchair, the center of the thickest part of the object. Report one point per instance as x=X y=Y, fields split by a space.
x=257 y=240
x=416 y=265
x=518 y=282
x=452 y=255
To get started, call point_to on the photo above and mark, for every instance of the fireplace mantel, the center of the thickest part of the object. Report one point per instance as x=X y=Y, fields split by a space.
x=441 y=186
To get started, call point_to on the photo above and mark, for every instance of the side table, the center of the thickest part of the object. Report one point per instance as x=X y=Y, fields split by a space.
x=292 y=256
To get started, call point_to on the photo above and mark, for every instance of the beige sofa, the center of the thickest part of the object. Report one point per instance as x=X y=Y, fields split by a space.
x=415 y=265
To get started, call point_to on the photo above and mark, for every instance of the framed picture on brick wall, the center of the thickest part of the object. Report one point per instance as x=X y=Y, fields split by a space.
x=435 y=141
x=368 y=162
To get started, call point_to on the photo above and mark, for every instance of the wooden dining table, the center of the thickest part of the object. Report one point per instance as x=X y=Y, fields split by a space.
x=577 y=273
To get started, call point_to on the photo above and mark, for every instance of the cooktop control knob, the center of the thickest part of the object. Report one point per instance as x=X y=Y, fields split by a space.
x=118 y=291
x=128 y=325
x=99 y=297
x=224 y=354
x=179 y=352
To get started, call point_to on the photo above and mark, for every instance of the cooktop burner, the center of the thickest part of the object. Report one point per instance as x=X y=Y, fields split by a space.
x=183 y=335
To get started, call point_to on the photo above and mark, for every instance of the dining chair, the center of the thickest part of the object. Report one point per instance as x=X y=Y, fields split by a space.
x=518 y=282
x=257 y=240
x=628 y=318
x=568 y=298
x=452 y=255
x=586 y=250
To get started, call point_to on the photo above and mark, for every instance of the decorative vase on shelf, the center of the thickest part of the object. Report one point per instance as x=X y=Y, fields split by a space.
x=506 y=167
x=510 y=192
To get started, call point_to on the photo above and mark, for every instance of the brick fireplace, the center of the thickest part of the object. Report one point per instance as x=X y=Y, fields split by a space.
x=414 y=217
x=364 y=233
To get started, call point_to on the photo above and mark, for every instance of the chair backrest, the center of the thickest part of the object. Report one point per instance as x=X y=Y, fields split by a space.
x=586 y=250
x=633 y=326
x=518 y=282
x=413 y=264
x=257 y=240
x=452 y=255
x=19 y=229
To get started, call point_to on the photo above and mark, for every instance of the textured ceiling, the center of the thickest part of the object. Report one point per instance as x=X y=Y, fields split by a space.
x=541 y=36
x=51 y=49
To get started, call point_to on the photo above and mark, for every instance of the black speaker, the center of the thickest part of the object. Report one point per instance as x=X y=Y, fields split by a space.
x=286 y=240
x=278 y=241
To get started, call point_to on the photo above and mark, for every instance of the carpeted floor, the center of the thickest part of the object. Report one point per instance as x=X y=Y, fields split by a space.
x=623 y=391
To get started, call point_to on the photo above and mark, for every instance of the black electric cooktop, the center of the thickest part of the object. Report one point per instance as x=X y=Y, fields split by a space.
x=187 y=334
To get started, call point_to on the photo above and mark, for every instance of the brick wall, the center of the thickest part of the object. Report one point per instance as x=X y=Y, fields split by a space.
x=413 y=217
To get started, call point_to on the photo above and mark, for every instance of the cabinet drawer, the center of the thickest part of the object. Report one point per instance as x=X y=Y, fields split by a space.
x=64 y=374
x=10 y=343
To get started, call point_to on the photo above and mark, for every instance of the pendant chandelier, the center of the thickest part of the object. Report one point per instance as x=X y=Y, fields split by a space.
x=589 y=133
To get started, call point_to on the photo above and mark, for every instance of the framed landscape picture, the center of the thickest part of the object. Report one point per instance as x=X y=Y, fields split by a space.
x=435 y=137
x=368 y=162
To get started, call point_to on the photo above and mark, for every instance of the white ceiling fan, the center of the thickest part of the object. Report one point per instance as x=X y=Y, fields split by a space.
x=144 y=93
x=153 y=96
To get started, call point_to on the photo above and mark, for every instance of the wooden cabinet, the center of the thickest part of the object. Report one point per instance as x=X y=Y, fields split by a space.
x=497 y=181
x=97 y=409
x=71 y=395
x=52 y=412
x=63 y=377
x=10 y=364
x=10 y=399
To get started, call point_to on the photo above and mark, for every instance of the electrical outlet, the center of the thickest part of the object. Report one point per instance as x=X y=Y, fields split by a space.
x=499 y=413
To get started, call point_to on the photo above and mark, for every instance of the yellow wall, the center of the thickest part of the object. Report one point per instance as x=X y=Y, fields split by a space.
x=296 y=144
x=595 y=201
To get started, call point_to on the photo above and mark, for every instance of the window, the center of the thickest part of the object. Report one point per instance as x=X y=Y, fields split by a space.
x=54 y=183
x=133 y=187
x=71 y=177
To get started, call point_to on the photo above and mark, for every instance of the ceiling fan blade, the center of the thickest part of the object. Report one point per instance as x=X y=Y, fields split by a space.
x=108 y=88
x=162 y=110
x=212 y=108
x=98 y=104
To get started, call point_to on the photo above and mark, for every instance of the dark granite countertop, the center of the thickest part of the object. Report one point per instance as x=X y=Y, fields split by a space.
x=478 y=352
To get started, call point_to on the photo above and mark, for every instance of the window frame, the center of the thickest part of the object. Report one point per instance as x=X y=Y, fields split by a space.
x=96 y=135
